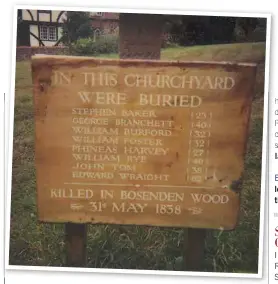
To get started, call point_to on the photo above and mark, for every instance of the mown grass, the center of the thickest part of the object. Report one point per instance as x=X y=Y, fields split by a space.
x=136 y=247
x=227 y=52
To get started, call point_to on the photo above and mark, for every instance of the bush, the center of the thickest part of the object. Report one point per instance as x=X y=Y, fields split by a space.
x=102 y=45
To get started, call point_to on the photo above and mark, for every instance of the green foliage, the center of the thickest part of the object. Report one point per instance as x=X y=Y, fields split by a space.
x=103 y=45
x=77 y=25
x=83 y=46
x=201 y=30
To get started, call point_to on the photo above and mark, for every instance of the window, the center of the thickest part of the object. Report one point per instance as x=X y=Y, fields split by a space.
x=48 y=33
x=99 y=14
x=97 y=34
x=52 y=33
x=43 y=33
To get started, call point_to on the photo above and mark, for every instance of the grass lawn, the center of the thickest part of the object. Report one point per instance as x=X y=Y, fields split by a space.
x=136 y=247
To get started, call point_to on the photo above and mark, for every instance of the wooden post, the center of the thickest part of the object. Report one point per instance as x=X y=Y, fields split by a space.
x=76 y=242
x=141 y=38
x=194 y=249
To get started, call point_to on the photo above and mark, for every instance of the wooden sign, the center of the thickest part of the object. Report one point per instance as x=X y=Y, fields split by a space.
x=140 y=142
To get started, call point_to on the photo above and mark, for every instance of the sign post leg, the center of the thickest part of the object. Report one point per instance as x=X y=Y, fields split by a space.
x=194 y=249
x=76 y=241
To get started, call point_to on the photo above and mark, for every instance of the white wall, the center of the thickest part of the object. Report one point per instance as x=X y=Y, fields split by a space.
x=34 y=30
x=49 y=43
x=55 y=15
x=27 y=17
x=60 y=32
x=43 y=16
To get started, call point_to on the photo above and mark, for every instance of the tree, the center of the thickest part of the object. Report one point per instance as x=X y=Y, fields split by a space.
x=189 y=30
x=248 y=25
x=77 y=25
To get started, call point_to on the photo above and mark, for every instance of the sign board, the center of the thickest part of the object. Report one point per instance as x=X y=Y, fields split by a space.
x=140 y=142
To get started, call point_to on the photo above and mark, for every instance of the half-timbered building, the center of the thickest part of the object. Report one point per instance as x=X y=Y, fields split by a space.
x=40 y=27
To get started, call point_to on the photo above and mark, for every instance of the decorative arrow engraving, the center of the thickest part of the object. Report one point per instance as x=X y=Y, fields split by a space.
x=195 y=210
x=76 y=206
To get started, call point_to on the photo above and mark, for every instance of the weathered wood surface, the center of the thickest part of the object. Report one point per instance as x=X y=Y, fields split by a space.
x=75 y=244
x=167 y=152
x=140 y=36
